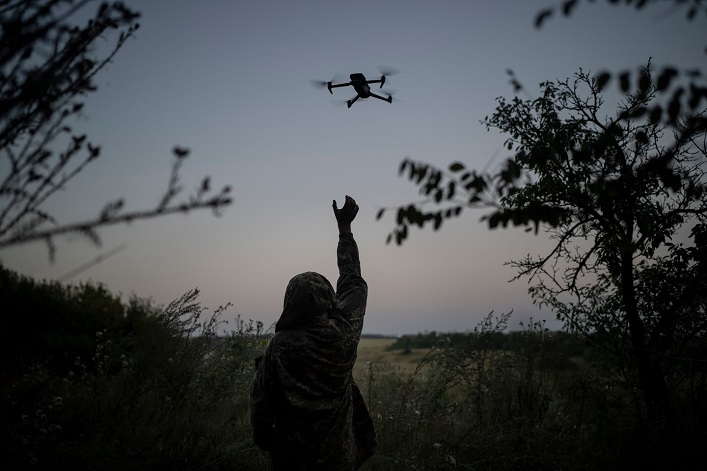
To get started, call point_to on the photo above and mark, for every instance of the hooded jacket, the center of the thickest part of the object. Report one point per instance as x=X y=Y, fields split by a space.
x=306 y=408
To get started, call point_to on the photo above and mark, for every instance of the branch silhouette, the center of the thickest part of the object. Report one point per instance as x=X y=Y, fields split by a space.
x=47 y=67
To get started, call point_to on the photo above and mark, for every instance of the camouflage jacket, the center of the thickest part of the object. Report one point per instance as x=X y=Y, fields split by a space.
x=305 y=406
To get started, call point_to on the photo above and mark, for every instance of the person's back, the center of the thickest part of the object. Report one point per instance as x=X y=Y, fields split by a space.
x=305 y=406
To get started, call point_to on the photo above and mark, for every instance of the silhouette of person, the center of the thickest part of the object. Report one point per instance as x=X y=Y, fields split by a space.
x=305 y=408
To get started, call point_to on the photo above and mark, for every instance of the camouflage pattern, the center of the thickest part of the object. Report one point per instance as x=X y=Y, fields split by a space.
x=306 y=409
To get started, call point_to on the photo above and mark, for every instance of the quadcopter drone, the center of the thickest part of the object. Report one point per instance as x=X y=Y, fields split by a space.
x=361 y=85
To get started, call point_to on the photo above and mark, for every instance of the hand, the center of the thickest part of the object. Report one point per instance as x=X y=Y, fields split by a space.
x=346 y=214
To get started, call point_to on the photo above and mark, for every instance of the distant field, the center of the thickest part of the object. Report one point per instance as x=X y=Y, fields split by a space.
x=375 y=351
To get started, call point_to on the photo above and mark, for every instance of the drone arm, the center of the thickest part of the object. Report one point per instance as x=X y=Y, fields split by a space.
x=352 y=101
x=381 y=81
x=330 y=85
x=389 y=99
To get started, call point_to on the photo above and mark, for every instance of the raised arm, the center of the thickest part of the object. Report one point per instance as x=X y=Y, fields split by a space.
x=351 y=288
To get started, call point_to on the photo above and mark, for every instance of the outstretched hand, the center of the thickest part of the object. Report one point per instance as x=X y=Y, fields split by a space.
x=346 y=214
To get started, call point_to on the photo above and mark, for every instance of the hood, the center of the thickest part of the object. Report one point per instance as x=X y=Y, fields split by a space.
x=309 y=298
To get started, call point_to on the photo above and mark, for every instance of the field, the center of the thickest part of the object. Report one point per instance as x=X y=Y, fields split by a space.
x=375 y=351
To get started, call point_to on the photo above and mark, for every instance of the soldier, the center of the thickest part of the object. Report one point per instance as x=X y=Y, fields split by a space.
x=306 y=409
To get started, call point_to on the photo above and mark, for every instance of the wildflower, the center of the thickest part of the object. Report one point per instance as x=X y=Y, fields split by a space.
x=437 y=445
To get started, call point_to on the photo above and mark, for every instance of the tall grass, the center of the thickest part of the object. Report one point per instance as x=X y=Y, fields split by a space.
x=171 y=393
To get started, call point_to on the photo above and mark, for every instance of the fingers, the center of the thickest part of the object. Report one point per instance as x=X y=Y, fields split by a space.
x=349 y=205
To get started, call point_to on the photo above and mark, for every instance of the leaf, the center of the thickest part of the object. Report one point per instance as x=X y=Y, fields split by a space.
x=451 y=190
x=665 y=77
x=403 y=166
x=380 y=214
x=180 y=152
x=421 y=172
x=675 y=105
x=696 y=93
x=602 y=79
x=644 y=82
x=456 y=167
x=568 y=6
x=655 y=114
x=543 y=16
x=624 y=81
x=494 y=220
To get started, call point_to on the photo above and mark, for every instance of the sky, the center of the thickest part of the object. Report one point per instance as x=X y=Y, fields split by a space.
x=230 y=80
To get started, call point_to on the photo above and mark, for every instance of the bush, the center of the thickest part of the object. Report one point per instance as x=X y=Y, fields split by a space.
x=167 y=392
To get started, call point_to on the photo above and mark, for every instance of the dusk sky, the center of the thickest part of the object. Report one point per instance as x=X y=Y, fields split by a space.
x=230 y=80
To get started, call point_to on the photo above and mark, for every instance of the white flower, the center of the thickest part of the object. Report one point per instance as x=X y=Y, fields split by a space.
x=437 y=445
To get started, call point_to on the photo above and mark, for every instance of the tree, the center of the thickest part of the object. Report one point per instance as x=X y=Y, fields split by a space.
x=47 y=66
x=611 y=192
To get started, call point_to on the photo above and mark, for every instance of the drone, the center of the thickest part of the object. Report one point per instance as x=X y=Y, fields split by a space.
x=361 y=85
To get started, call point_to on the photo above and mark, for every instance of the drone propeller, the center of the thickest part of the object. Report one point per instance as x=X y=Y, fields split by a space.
x=391 y=93
x=325 y=84
x=340 y=102
x=321 y=84
x=318 y=83
x=387 y=71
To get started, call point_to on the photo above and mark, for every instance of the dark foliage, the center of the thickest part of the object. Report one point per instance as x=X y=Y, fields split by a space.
x=54 y=324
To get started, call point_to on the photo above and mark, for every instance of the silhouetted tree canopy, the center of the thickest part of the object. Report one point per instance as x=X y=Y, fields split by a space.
x=47 y=68
x=613 y=189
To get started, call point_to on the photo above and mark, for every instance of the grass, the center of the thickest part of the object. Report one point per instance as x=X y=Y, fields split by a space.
x=375 y=350
x=169 y=394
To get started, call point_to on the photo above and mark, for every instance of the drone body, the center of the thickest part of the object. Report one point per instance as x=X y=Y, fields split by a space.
x=361 y=85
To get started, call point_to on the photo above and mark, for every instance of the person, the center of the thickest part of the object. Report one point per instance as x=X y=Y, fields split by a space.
x=305 y=407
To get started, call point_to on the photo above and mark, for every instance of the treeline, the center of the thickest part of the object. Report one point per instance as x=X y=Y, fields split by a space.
x=556 y=342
